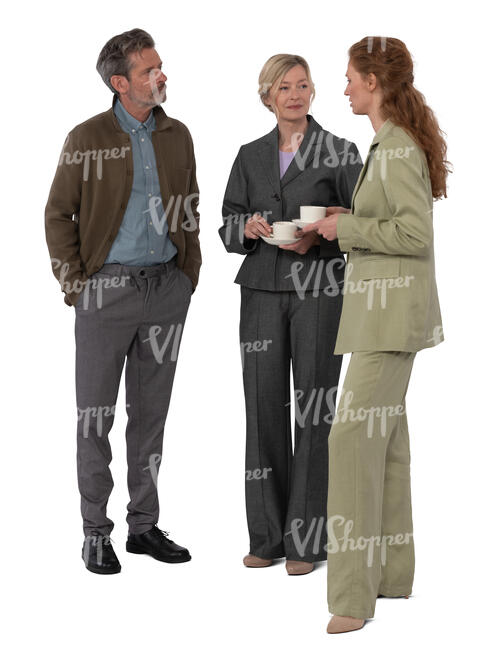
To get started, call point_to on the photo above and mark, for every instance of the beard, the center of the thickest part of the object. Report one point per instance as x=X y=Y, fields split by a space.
x=153 y=98
x=158 y=96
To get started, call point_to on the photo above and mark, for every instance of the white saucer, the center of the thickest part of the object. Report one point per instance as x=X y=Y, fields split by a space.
x=300 y=223
x=279 y=242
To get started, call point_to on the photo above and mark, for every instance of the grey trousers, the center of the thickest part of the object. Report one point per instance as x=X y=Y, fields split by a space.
x=135 y=313
x=286 y=490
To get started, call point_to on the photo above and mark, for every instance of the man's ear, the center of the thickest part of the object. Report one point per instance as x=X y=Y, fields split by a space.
x=119 y=82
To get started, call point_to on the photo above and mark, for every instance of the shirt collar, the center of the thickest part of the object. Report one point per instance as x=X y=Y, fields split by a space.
x=130 y=123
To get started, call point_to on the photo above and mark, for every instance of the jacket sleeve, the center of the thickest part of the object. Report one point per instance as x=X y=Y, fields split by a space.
x=409 y=231
x=346 y=175
x=236 y=212
x=193 y=257
x=61 y=223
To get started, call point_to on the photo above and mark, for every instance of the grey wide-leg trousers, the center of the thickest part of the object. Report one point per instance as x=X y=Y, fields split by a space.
x=286 y=490
x=135 y=313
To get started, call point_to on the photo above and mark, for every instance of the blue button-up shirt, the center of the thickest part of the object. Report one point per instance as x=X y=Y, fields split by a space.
x=143 y=238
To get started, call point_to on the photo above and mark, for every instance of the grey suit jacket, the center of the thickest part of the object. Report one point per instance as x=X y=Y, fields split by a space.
x=323 y=172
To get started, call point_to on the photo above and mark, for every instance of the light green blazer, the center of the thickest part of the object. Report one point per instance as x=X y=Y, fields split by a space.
x=390 y=296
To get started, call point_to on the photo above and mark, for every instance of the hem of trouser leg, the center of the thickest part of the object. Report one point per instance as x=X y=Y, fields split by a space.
x=344 y=611
x=267 y=556
x=395 y=591
x=141 y=531
x=94 y=533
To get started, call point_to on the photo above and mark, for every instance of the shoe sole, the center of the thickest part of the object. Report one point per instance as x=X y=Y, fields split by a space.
x=101 y=571
x=138 y=550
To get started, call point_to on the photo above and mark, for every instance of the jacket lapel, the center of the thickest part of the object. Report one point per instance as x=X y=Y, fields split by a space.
x=310 y=145
x=362 y=174
x=269 y=155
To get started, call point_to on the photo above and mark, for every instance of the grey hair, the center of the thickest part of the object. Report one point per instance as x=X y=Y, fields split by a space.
x=114 y=57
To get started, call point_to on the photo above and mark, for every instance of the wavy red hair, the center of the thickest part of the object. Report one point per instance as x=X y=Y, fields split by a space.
x=391 y=63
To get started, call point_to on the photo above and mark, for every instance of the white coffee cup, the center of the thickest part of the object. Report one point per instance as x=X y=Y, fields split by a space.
x=311 y=213
x=284 y=229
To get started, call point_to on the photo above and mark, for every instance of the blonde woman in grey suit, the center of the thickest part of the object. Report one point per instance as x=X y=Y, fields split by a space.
x=290 y=307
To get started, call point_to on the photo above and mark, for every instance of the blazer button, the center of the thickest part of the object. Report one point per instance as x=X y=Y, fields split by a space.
x=276 y=197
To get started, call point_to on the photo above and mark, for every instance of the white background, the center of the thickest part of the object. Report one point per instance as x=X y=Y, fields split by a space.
x=213 y=53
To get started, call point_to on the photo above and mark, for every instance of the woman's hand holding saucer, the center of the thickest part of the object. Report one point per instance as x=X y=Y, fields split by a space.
x=304 y=243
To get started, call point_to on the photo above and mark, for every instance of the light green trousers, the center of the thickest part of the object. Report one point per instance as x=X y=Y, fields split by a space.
x=370 y=531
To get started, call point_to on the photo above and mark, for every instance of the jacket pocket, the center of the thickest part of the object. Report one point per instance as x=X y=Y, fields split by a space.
x=372 y=269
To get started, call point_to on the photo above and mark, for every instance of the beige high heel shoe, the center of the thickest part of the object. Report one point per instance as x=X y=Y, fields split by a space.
x=255 y=562
x=297 y=568
x=340 y=624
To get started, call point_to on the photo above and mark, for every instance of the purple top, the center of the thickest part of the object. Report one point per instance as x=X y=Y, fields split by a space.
x=285 y=157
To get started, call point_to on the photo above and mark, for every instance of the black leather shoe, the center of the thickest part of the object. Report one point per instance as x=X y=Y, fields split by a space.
x=155 y=542
x=99 y=556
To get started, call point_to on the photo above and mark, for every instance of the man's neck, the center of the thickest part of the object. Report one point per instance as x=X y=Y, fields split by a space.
x=140 y=113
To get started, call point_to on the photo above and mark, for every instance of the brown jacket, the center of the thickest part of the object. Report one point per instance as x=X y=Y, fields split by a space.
x=91 y=189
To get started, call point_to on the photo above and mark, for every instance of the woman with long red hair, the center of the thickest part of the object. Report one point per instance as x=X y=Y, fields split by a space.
x=390 y=312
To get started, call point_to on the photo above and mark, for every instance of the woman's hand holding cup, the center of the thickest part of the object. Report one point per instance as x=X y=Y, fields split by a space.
x=327 y=227
x=256 y=226
x=336 y=209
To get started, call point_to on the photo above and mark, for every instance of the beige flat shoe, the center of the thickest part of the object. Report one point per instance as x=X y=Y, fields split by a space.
x=255 y=562
x=296 y=568
x=340 y=624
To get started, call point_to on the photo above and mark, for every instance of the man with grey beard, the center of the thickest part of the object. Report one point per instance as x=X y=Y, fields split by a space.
x=122 y=228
